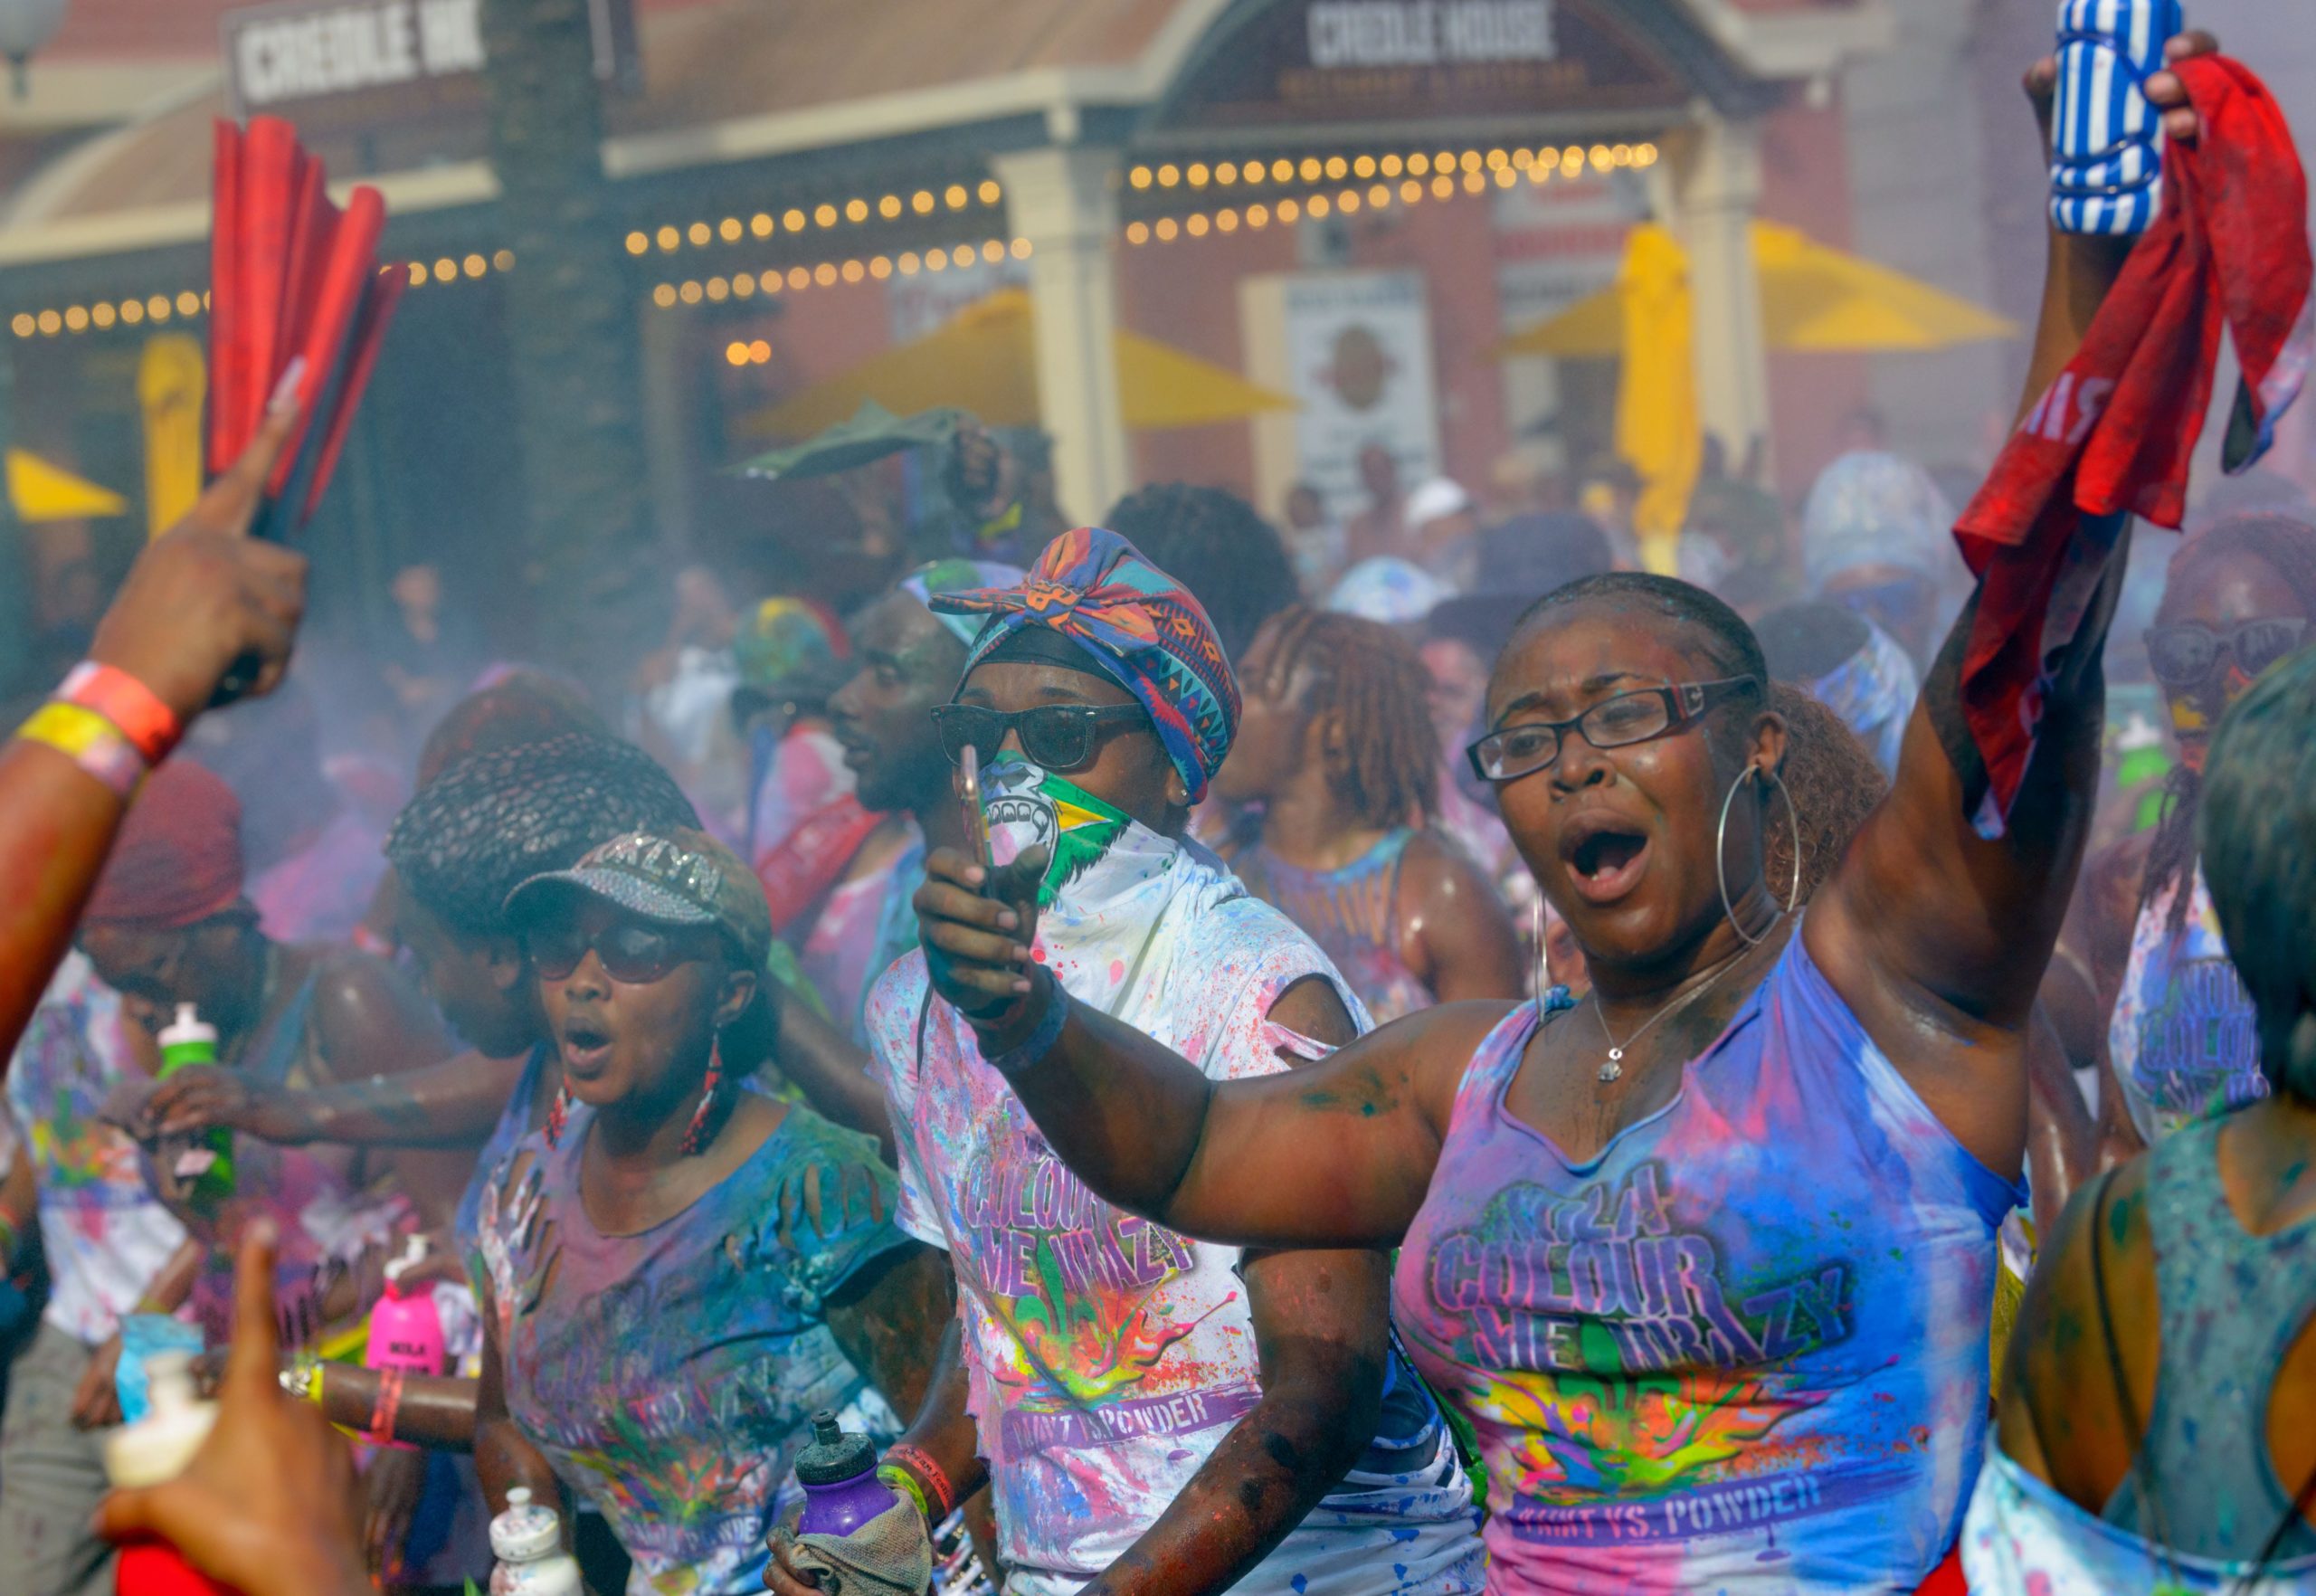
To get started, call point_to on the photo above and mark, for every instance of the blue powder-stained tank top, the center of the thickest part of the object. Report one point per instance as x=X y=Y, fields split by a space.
x=2184 y=1038
x=1744 y=1348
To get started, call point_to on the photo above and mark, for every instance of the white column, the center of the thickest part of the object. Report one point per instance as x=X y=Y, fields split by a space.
x=1716 y=189
x=1064 y=201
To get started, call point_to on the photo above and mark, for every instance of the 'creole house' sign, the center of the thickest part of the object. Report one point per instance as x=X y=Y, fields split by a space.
x=1388 y=60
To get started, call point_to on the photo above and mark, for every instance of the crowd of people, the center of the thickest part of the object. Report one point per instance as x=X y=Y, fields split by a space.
x=1408 y=1058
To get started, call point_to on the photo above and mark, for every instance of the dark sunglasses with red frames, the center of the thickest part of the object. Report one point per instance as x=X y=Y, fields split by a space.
x=1638 y=717
x=2183 y=655
x=634 y=953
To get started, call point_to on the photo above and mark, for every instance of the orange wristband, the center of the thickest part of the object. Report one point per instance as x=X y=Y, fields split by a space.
x=150 y=726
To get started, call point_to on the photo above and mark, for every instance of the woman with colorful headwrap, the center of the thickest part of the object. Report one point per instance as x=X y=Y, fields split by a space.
x=1156 y=1413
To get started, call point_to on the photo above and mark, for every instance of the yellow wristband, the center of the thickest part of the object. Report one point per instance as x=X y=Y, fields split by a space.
x=90 y=741
x=894 y=1475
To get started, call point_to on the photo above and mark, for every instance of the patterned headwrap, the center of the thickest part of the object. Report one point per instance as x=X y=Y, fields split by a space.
x=1138 y=625
x=959 y=575
x=783 y=637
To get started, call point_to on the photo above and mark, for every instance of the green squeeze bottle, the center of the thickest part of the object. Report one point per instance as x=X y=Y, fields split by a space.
x=205 y=1161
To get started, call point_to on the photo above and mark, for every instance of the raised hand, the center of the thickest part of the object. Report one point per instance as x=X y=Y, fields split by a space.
x=976 y=925
x=203 y=596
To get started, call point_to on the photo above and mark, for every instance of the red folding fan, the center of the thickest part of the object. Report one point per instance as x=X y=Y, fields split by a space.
x=290 y=275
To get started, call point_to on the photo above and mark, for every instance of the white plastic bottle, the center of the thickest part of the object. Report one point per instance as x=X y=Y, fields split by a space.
x=153 y=1450
x=527 y=1541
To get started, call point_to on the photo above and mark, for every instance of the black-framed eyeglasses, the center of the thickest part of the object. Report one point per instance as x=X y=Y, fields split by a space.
x=2182 y=655
x=1631 y=717
x=634 y=951
x=1059 y=736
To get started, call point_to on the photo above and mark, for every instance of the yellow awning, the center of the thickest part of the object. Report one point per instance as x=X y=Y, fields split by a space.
x=1813 y=297
x=982 y=360
x=42 y=492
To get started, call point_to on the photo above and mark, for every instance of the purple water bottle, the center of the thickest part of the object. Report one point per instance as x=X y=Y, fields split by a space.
x=838 y=1474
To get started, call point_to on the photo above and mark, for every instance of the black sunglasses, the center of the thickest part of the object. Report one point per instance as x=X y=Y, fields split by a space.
x=1059 y=736
x=1612 y=723
x=2183 y=655
x=633 y=952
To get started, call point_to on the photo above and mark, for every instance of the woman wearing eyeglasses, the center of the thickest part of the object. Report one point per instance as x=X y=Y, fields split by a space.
x=680 y=1269
x=1707 y=1259
x=2181 y=1038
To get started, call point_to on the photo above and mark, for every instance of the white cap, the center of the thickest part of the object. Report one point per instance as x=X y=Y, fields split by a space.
x=1432 y=500
x=188 y=1027
x=525 y=1531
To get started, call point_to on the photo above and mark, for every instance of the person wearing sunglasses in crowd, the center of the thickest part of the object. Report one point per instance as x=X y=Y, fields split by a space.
x=680 y=1269
x=1152 y=1414
x=1707 y=1260
x=1336 y=746
x=2182 y=1041
x=486 y=823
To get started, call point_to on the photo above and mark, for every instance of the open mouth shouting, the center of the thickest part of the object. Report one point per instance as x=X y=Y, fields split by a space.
x=1605 y=856
x=586 y=1047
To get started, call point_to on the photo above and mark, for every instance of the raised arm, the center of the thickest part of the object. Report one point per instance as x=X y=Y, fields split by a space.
x=1336 y=1155
x=451 y=1104
x=1937 y=936
x=199 y=598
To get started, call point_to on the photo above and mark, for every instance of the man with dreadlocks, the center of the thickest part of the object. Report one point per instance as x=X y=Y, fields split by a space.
x=1337 y=747
x=2182 y=1041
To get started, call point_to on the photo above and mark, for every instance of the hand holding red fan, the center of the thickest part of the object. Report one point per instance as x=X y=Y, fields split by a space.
x=290 y=275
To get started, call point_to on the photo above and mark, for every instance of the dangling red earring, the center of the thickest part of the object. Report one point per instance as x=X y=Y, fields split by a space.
x=696 y=1132
x=558 y=1113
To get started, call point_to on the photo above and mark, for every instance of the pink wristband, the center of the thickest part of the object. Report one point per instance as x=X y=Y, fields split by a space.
x=151 y=726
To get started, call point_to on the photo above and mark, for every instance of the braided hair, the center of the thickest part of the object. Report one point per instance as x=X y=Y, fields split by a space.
x=2288 y=545
x=1213 y=543
x=494 y=819
x=1367 y=675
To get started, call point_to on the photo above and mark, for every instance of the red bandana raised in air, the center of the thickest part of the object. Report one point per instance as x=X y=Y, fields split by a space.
x=2113 y=435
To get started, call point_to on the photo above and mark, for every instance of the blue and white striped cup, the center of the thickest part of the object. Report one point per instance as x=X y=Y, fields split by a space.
x=2106 y=139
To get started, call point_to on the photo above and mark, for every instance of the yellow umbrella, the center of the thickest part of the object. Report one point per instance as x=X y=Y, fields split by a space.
x=42 y=492
x=1813 y=297
x=1658 y=432
x=982 y=360
x=171 y=377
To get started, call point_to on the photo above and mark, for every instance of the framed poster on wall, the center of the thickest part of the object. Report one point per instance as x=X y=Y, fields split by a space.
x=1355 y=349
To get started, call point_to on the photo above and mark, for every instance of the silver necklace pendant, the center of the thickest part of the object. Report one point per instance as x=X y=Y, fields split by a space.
x=1614 y=1069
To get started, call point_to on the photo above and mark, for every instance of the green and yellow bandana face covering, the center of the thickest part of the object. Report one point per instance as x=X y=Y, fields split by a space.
x=1030 y=806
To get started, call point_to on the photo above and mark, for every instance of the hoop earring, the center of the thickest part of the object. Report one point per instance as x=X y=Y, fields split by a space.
x=694 y=1133
x=558 y=1113
x=1543 y=969
x=1720 y=864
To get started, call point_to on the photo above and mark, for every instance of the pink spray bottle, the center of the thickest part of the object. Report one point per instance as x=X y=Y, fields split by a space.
x=406 y=1327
